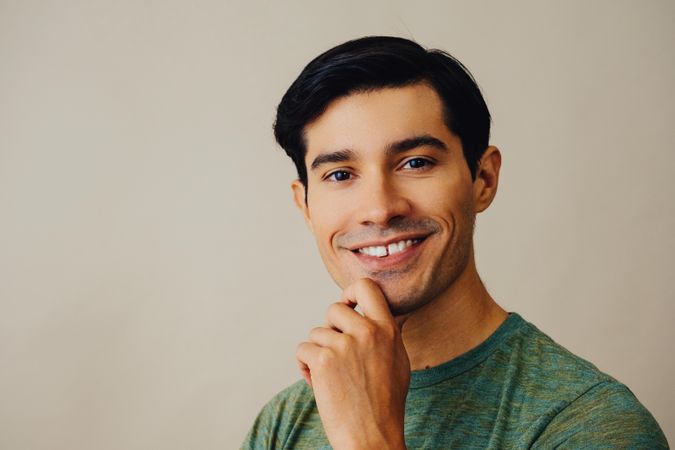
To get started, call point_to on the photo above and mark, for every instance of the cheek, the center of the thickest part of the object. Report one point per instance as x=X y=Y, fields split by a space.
x=327 y=220
x=443 y=198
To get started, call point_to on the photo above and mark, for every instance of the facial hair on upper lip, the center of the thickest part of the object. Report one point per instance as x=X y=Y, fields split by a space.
x=422 y=227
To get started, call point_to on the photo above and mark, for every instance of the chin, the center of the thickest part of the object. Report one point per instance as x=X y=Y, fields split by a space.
x=402 y=303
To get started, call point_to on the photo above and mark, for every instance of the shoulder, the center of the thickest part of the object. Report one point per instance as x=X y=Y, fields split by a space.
x=548 y=367
x=296 y=396
x=607 y=414
x=585 y=405
x=541 y=347
x=279 y=416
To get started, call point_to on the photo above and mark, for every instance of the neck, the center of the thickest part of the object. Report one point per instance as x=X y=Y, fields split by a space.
x=455 y=322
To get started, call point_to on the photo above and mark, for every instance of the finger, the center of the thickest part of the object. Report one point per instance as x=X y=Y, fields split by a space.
x=305 y=372
x=327 y=337
x=343 y=318
x=323 y=336
x=368 y=295
x=305 y=354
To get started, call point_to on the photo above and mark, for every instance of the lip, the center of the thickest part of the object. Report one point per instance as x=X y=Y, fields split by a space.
x=374 y=264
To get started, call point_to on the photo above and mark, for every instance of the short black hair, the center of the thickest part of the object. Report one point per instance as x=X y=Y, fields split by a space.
x=375 y=62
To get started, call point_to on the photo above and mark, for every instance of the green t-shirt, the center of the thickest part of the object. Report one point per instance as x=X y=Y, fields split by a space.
x=518 y=389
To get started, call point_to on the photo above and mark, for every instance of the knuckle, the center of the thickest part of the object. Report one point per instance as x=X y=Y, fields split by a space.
x=324 y=358
x=314 y=332
x=343 y=343
x=332 y=309
x=390 y=330
x=368 y=331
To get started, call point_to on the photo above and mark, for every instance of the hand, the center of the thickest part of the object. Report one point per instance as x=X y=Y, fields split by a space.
x=359 y=371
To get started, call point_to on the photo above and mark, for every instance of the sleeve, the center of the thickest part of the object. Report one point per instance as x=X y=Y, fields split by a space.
x=608 y=415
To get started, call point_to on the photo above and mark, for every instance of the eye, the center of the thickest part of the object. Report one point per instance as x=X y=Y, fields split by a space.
x=417 y=163
x=338 y=175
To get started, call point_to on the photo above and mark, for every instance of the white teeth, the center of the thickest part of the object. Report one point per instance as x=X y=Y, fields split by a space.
x=390 y=249
x=380 y=251
x=374 y=251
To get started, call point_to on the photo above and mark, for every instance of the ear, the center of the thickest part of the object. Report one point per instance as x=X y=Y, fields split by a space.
x=487 y=178
x=299 y=199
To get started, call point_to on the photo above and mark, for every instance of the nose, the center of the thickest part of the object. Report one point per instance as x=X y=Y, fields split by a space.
x=381 y=202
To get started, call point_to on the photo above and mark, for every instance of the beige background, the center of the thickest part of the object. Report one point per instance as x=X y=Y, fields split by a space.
x=154 y=276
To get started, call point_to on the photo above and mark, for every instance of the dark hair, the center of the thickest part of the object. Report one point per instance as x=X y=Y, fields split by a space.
x=376 y=62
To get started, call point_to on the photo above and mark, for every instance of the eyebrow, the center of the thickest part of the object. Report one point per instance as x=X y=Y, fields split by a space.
x=333 y=157
x=392 y=149
x=414 y=142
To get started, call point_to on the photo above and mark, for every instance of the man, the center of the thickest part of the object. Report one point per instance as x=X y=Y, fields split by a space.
x=390 y=142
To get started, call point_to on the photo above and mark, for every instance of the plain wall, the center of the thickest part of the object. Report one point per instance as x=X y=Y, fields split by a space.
x=155 y=277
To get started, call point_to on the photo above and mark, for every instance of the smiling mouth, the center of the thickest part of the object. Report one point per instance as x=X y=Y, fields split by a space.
x=382 y=251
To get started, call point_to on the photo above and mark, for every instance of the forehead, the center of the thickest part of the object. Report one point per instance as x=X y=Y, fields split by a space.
x=370 y=120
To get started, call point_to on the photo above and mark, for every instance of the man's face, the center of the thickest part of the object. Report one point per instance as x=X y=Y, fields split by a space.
x=389 y=194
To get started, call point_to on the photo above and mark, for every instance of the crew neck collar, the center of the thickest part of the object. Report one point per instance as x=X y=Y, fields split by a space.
x=462 y=363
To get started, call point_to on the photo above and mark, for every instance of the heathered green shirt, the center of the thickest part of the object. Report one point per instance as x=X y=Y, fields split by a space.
x=518 y=389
